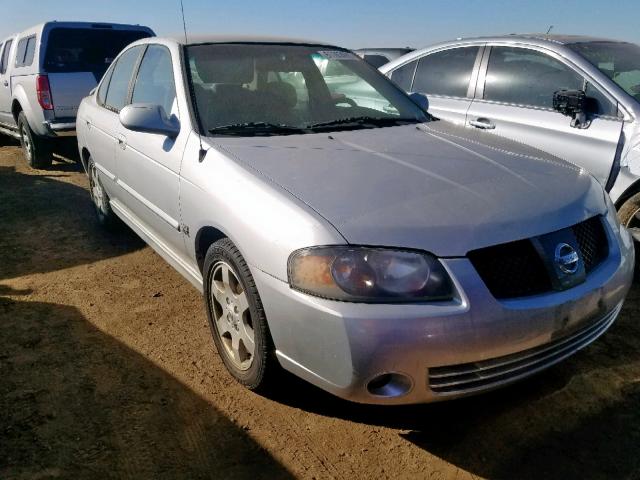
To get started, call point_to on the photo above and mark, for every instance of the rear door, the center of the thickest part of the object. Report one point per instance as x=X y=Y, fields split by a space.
x=5 y=84
x=76 y=58
x=514 y=99
x=447 y=77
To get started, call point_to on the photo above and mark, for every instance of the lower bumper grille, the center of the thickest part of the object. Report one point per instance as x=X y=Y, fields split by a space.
x=483 y=375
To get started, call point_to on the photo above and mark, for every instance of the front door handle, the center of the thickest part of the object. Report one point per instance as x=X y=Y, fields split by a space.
x=483 y=123
x=6 y=83
x=122 y=142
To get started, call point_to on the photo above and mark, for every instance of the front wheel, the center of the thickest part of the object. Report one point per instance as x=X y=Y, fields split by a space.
x=236 y=317
x=37 y=151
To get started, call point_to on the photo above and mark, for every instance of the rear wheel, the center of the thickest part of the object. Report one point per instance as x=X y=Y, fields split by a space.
x=236 y=317
x=37 y=151
x=105 y=215
x=629 y=216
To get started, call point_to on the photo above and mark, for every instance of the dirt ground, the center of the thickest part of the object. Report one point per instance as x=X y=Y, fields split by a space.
x=107 y=370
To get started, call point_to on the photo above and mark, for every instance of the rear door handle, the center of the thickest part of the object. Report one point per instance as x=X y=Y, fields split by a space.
x=6 y=83
x=122 y=142
x=483 y=123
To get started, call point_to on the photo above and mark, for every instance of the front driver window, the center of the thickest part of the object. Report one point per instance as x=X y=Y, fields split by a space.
x=155 y=80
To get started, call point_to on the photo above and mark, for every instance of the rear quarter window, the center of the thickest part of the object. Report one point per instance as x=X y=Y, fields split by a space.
x=26 y=51
x=71 y=50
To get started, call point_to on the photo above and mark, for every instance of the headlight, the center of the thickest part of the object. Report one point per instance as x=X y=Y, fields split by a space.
x=360 y=274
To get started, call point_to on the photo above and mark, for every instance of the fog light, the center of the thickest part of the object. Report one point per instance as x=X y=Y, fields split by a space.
x=390 y=385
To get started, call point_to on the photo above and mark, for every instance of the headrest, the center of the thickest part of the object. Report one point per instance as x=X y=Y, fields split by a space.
x=284 y=92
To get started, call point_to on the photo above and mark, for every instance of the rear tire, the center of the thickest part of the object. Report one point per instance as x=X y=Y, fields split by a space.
x=629 y=216
x=105 y=215
x=37 y=150
x=237 y=319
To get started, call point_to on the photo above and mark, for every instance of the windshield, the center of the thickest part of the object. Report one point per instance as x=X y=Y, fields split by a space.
x=619 y=61
x=86 y=49
x=272 y=89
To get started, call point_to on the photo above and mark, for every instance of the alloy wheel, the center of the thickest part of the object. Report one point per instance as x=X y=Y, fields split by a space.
x=232 y=316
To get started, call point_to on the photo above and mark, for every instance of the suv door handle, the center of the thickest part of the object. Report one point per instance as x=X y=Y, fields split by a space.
x=483 y=123
x=6 y=83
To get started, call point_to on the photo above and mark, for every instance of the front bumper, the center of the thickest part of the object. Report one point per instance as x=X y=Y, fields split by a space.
x=441 y=351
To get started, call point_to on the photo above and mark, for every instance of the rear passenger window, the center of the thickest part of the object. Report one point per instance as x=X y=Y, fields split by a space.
x=403 y=76
x=376 y=60
x=26 y=51
x=446 y=73
x=155 y=80
x=526 y=77
x=4 y=61
x=104 y=86
x=118 y=92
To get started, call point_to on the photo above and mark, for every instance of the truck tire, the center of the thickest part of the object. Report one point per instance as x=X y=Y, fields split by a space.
x=629 y=216
x=37 y=151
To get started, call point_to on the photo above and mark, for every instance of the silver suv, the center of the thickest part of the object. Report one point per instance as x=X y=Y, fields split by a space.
x=46 y=70
x=379 y=254
x=575 y=97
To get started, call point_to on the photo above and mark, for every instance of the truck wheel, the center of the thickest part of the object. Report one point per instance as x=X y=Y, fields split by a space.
x=37 y=151
x=105 y=215
x=236 y=317
x=629 y=216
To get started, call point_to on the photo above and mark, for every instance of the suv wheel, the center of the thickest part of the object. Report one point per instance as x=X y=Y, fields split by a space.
x=104 y=213
x=37 y=151
x=236 y=317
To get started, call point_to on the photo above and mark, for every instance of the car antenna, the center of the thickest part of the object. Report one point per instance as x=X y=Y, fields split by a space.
x=202 y=153
x=549 y=30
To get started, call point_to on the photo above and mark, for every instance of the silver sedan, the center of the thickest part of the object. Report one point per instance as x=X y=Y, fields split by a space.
x=338 y=231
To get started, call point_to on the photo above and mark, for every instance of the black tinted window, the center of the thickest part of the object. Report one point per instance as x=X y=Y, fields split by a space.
x=526 y=77
x=446 y=73
x=26 y=51
x=376 y=60
x=120 y=79
x=403 y=75
x=86 y=49
x=4 y=62
x=155 y=79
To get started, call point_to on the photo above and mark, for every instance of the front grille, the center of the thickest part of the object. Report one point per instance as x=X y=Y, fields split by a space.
x=476 y=376
x=592 y=240
x=516 y=269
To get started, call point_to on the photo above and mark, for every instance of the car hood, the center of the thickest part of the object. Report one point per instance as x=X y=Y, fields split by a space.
x=436 y=186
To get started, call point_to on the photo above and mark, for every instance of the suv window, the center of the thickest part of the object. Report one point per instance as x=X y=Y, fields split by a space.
x=526 y=77
x=26 y=51
x=4 y=62
x=86 y=49
x=447 y=72
x=403 y=76
x=118 y=92
x=154 y=83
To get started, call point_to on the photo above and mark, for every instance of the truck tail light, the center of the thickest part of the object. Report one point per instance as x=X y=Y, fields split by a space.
x=43 y=91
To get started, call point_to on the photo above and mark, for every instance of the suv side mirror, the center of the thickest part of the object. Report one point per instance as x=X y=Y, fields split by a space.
x=574 y=104
x=420 y=99
x=149 y=118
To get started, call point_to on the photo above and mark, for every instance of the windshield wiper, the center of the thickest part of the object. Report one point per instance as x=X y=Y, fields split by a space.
x=255 y=128
x=363 y=121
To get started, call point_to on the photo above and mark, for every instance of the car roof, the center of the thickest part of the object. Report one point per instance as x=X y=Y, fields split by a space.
x=557 y=39
x=202 y=39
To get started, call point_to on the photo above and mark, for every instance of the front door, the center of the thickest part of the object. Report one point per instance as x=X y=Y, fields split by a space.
x=515 y=100
x=149 y=164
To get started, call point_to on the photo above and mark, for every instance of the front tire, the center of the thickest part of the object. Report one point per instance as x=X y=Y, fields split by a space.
x=236 y=317
x=105 y=215
x=37 y=151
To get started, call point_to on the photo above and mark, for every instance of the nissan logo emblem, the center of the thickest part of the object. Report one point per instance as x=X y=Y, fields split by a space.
x=567 y=258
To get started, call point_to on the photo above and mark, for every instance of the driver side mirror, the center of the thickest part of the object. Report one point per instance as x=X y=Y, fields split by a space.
x=574 y=104
x=149 y=118
x=420 y=99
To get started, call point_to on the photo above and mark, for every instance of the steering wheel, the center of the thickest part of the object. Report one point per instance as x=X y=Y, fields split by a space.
x=339 y=98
